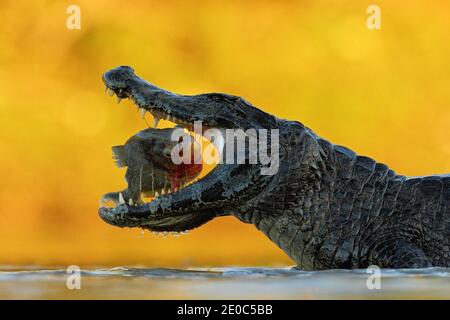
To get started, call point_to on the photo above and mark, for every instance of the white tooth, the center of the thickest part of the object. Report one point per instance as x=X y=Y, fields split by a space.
x=163 y=191
x=106 y=88
x=169 y=118
x=111 y=92
x=175 y=119
x=142 y=112
x=156 y=194
x=155 y=122
x=169 y=191
x=121 y=199
x=131 y=202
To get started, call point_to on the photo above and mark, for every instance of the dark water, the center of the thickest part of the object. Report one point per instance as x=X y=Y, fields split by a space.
x=222 y=283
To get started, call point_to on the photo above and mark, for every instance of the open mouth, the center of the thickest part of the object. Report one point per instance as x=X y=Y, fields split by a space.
x=175 y=190
x=183 y=174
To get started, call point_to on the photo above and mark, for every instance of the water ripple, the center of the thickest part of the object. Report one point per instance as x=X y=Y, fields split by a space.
x=220 y=283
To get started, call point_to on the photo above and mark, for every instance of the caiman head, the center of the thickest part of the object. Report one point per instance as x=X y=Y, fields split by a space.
x=220 y=192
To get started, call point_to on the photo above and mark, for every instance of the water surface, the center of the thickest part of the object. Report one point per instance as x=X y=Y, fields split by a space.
x=222 y=283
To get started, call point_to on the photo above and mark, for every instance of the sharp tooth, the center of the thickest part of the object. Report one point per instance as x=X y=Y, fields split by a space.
x=169 y=191
x=131 y=202
x=155 y=121
x=169 y=118
x=156 y=194
x=106 y=88
x=142 y=112
x=118 y=100
x=111 y=92
x=121 y=199
x=175 y=119
x=163 y=191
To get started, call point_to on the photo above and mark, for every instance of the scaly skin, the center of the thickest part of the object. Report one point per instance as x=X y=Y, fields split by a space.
x=326 y=207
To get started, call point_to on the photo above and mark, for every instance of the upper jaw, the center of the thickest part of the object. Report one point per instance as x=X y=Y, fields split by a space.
x=213 y=109
x=162 y=104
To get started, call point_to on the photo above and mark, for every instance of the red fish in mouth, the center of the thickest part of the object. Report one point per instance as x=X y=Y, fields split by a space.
x=184 y=172
x=150 y=168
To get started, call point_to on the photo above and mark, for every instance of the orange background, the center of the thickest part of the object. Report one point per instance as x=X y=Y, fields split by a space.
x=384 y=93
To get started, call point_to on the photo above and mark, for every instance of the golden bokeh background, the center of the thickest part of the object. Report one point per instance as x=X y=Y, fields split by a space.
x=384 y=93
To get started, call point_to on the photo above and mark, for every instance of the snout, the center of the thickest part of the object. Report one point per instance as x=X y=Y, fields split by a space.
x=116 y=78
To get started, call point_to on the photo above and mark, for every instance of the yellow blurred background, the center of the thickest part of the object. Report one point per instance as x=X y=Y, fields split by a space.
x=384 y=93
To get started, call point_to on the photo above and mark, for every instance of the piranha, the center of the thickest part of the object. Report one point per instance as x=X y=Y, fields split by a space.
x=150 y=169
